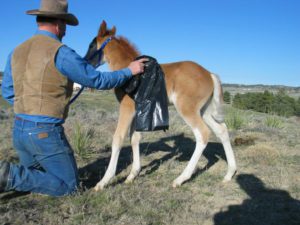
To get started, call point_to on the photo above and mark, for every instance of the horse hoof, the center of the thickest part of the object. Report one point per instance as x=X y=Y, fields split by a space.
x=176 y=184
x=129 y=179
x=226 y=180
x=99 y=187
x=229 y=176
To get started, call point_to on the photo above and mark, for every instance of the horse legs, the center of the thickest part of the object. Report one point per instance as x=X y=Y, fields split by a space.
x=136 y=165
x=125 y=118
x=201 y=133
x=220 y=130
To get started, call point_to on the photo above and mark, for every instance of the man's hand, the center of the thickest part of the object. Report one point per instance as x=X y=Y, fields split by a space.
x=137 y=66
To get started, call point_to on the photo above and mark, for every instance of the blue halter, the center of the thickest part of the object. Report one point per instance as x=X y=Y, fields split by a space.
x=99 y=52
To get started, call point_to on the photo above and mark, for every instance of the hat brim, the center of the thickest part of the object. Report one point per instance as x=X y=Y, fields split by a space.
x=68 y=17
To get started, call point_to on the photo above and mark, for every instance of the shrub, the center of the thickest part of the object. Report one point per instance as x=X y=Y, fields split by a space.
x=297 y=107
x=227 y=97
x=274 y=122
x=281 y=104
x=234 y=119
x=81 y=140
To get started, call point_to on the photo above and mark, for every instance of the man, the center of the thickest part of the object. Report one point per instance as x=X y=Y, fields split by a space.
x=38 y=82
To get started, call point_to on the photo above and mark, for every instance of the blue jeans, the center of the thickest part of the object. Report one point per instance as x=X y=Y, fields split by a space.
x=47 y=164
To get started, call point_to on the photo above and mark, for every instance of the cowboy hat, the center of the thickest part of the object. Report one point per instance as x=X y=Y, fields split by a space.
x=55 y=9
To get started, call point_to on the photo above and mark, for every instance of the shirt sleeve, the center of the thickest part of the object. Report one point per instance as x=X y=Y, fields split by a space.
x=7 y=82
x=77 y=69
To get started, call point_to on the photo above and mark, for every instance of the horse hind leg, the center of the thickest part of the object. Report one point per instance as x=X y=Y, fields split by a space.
x=221 y=131
x=136 y=165
x=214 y=117
x=201 y=133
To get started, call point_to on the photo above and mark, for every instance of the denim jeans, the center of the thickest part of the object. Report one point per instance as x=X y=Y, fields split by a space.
x=47 y=164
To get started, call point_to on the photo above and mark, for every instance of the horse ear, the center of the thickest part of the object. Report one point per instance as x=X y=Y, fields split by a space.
x=102 y=30
x=113 y=30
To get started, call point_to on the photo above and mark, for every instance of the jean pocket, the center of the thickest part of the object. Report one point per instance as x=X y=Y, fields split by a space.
x=45 y=140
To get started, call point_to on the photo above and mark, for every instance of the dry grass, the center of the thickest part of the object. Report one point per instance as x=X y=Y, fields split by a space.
x=266 y=189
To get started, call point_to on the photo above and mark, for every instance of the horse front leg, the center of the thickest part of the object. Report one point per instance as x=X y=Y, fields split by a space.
x=136 y=165
x=125 y=119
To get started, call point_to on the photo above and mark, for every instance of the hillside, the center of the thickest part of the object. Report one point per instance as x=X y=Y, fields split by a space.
x=266 y=189
x=241 y=88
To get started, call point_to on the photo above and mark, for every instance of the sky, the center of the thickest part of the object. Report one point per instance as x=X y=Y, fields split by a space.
x=243 y=41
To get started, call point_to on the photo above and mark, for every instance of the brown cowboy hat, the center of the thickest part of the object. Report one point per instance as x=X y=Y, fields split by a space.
x=55 y=9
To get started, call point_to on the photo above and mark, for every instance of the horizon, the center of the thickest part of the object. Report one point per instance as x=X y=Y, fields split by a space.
x=238 y=84
x=244 y=42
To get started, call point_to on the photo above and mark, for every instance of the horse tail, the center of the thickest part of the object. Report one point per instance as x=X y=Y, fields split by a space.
x=215 y=105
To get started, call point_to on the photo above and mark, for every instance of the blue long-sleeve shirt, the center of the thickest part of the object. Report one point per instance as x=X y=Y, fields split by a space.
x=73 y=66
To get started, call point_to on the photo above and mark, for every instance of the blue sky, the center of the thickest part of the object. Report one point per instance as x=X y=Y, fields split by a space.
x=243 y=41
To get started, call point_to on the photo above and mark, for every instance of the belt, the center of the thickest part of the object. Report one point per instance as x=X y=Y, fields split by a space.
x=21 y=119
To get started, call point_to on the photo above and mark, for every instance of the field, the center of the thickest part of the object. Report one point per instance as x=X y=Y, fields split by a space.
x=266 y=189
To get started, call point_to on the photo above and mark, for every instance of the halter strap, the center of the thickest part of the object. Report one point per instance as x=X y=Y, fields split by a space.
x=98 y=52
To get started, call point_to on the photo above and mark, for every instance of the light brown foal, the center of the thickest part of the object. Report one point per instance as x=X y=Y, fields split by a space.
x=196 y=94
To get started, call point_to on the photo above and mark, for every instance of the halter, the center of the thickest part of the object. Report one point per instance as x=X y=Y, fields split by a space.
x=99 y=52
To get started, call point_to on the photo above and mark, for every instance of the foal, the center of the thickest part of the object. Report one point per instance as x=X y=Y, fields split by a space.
x=196 y=94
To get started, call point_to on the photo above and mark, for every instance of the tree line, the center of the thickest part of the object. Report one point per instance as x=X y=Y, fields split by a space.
x=267 y=102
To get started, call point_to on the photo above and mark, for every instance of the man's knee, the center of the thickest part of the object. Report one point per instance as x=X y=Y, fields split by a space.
x=70 y=188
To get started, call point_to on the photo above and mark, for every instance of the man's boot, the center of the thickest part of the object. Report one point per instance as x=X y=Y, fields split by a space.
x=4 y=172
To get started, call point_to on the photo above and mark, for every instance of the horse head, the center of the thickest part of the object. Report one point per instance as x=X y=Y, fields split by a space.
x=104 y=33
x=94 y=54
x=118 y=53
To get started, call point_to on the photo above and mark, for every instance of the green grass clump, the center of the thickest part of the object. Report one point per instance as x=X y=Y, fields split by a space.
x=234 y=119
x=274 y=122
x=81 y=140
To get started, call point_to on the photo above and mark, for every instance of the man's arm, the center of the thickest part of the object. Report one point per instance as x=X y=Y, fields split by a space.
x=70 y=64
x=7 y=83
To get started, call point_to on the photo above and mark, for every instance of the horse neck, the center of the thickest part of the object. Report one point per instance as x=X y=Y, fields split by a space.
x=119 y=53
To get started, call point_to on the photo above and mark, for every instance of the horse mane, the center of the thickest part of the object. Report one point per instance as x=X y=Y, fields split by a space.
x=128 y=47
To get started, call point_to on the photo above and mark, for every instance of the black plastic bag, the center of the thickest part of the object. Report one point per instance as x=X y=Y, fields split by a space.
x=151 y=101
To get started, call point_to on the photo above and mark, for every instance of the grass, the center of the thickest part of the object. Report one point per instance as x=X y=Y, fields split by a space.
x=81 y=140
x=266 y=189
x=274 y=122
x=235 y=119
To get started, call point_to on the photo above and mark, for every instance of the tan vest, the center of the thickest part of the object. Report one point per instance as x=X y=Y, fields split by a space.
x=39 y=88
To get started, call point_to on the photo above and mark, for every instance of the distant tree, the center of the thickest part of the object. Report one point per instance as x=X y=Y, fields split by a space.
x=238 y=101
x=297 y=107
x=283 y=104
x=263 y=102
x=280 y=104
x=227 y=97
x=1 y=75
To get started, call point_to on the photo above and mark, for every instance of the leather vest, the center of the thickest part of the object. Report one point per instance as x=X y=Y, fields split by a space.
x=39 y=88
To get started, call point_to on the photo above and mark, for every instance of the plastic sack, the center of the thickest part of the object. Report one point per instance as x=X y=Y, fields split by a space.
x=151 y=101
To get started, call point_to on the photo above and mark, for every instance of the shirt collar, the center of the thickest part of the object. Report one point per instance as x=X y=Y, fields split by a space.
x=47 y=33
